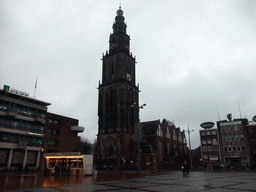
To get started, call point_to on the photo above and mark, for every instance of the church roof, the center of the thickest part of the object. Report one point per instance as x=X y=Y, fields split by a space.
x=150 y=127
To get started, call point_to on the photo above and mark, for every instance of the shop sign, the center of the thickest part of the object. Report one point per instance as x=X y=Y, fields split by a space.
x=207 y=125
x=64 y=154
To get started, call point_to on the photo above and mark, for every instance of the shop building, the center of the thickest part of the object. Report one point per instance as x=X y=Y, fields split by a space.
x=22 y=126
x=210 y=154
x=234 y=143
x=252 y=141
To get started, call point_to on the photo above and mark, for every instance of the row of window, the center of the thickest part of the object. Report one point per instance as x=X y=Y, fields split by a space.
x=21 y=125
x=22 y=110
x=54 y=132
x=203 y=133
x=54 y=121
x=212 y=156
x=210 y=148
x=25 y=139
x=231 y=128
x=234 y=148
x=168 y=135
x=209 y=141
x=231 y=138
x=53 y=142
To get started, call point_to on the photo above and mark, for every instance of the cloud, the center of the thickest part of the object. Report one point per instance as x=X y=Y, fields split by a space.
x=192 y=56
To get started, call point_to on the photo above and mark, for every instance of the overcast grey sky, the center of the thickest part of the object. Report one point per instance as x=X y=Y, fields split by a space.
x=192 y=56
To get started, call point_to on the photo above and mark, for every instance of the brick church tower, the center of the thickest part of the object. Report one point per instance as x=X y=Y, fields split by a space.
x=117 y=93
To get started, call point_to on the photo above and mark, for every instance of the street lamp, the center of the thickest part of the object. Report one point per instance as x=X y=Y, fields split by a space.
x=138 y=129
x=191 y=165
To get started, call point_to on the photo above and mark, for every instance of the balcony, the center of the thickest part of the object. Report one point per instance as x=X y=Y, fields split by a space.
x=77 y=128
x=11 y=114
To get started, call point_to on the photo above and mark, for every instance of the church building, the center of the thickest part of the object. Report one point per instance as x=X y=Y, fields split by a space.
x=117 y=94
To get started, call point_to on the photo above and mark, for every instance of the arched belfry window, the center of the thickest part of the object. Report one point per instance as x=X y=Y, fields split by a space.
x=101 y=149
x=118 y=147
x=110 y=147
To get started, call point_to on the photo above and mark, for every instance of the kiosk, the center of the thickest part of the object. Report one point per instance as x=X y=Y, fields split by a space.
x=69 y=163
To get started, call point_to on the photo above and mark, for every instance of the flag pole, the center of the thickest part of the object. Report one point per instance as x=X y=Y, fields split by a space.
x=35 y=89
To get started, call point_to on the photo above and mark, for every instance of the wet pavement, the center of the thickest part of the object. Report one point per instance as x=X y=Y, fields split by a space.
x=14 y=181
x=128 y=181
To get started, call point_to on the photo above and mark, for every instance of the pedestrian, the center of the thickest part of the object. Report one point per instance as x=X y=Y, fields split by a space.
x=183 y=170
x=186 y=167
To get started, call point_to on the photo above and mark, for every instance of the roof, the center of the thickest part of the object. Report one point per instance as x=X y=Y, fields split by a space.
x=168 y=122
x=24 y=98
x=150 y=127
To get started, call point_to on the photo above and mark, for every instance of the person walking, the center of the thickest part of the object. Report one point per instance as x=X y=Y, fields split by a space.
x=186 y=167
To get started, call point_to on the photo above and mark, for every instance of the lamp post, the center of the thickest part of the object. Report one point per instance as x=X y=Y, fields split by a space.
x=191 y=165
x=138 y=134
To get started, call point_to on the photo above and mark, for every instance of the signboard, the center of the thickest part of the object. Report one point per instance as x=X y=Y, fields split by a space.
x=6 y=88
x=11 y=90
x=207 y=125
x=231 y=123
x=254 y=118
x=64 y=154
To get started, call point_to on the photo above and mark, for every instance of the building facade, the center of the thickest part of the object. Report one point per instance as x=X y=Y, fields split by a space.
x=210 y=152
x=168 y=143
x=234 y=143
x=22 y=126
x=61 y=134
x=117 y=93
x=252 y=140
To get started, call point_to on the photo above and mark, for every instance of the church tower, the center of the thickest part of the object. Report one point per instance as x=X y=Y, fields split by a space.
x=117 y=93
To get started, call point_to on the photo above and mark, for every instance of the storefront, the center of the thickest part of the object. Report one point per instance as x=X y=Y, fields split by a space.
x=69 y=163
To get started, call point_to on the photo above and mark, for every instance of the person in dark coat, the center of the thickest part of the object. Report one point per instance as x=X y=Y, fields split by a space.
x=183 y=170
x=186 y=167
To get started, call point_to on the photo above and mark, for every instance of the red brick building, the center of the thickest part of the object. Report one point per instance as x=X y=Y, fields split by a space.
x=252 y=140
x=234 y=143
x=61 y=134
x=167 y=141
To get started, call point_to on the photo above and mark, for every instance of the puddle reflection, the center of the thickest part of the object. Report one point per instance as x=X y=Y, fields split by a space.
x=16 y=181
x=27 y=181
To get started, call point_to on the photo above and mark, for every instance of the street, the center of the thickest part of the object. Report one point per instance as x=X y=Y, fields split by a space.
x=168 y=181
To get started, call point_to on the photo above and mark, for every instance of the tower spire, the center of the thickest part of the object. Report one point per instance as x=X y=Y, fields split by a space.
x=119 y=25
